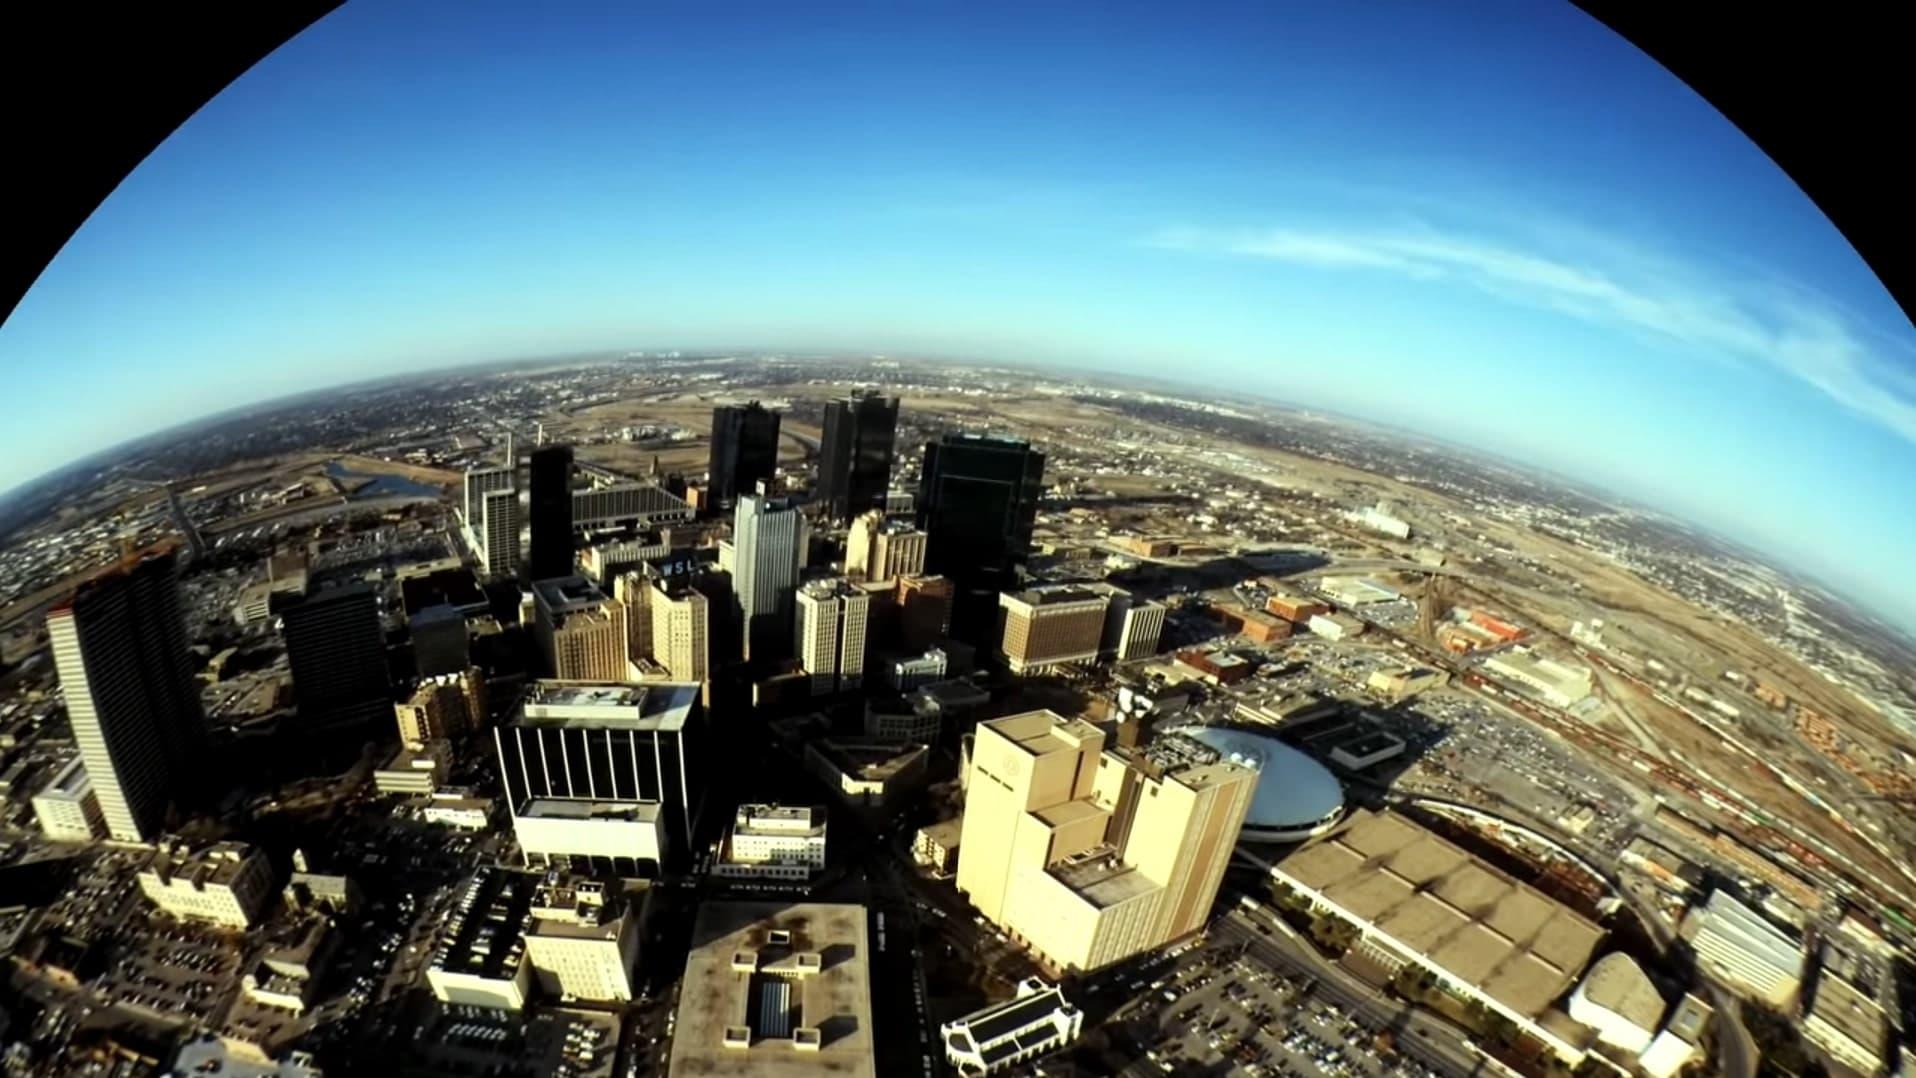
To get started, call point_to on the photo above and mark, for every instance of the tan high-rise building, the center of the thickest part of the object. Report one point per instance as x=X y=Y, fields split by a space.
x=1132 y=626
x=681 y=626
x=634 y=589
x=833 y=619
x=858 y=543
x=581 y=631
x=1051 y=626
x=879 y=550
x=897 y=552
x=443 y=708
x=923 y=606
x=1090 y=854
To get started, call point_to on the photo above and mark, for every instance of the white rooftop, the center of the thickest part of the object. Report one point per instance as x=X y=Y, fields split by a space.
x=655 y=705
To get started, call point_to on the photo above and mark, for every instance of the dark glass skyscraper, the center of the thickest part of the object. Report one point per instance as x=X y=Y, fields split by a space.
x=121 y=651
x=977 y=504
x=549 y=512
x=744 y=451
x=854 y=457
x=337 y=652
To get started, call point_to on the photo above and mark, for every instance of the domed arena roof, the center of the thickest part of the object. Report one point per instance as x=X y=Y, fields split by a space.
x=1296 y=797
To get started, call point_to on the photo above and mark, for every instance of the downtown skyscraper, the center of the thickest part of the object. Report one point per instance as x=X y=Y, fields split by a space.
x=744 y=452
x=766 y=533
x=336 y=649
x=549 y=512
x=855 y=454
x=120 y=648
x=977 y=503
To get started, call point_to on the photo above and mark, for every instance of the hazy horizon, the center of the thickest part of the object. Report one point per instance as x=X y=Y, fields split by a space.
x=1508 y=231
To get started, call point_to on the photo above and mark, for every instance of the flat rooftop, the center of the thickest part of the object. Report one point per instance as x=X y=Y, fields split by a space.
x=212 y=866
x=873 y=761
x=1042 y=732
x=1850 y=1012
x=552 y=808
x=566 y=593
x=1456 y=912
x=779 y=819
x=1100 y=878
x=1356 y=589
x=655 y=705
x=1058 y=594
x=750 y=977
x=954 y=692
x=70 y=782
x=486 y=935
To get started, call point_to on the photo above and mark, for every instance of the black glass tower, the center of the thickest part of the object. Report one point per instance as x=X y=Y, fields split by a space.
x=744 y=451
x=336 y=650
x=549 y=509
x=854 y=457
x=977 y=504
x=120 y=647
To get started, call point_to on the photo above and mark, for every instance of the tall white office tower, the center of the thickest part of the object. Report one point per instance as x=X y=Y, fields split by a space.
x=765 y=539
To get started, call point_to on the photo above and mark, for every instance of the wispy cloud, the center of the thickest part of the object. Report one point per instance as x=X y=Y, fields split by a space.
x=1757 y=323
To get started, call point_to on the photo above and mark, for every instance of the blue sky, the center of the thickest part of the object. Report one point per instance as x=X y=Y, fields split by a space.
x=1500 y=225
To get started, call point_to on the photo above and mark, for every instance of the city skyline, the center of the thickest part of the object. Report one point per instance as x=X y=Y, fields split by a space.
x=1394 y=215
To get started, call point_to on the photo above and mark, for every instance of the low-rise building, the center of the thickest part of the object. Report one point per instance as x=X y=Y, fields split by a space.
x=1380 y=520
x=1680 y=1041
x=1842 y=1017
x=867 y=773
x=320 y=891
x=1560 y=684
x=936 y=845
x=582 y=942
x=287 y=974
x=1355 y=591
x=901 y=720
x=415 y=772
x=1618 y=1001
x=1295 y=608
x=225 y=884
x=481 y=957
x=1737 y=946
x=67 y=808
x=1662 y=866
x=759 y=998
x=1395 y=683
x=1254 y=625
x=456 y=811
x=1418 y=900
x=773 y=842
x=1368 y=748
x=911 y=671
x=1154 y=697
x=1031 y=1025
x=1220 y=667
x=950 y=700
x=1335 y=626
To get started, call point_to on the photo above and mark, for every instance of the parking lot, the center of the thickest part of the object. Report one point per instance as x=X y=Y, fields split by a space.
x=1218 y=1009
x=174 y=969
